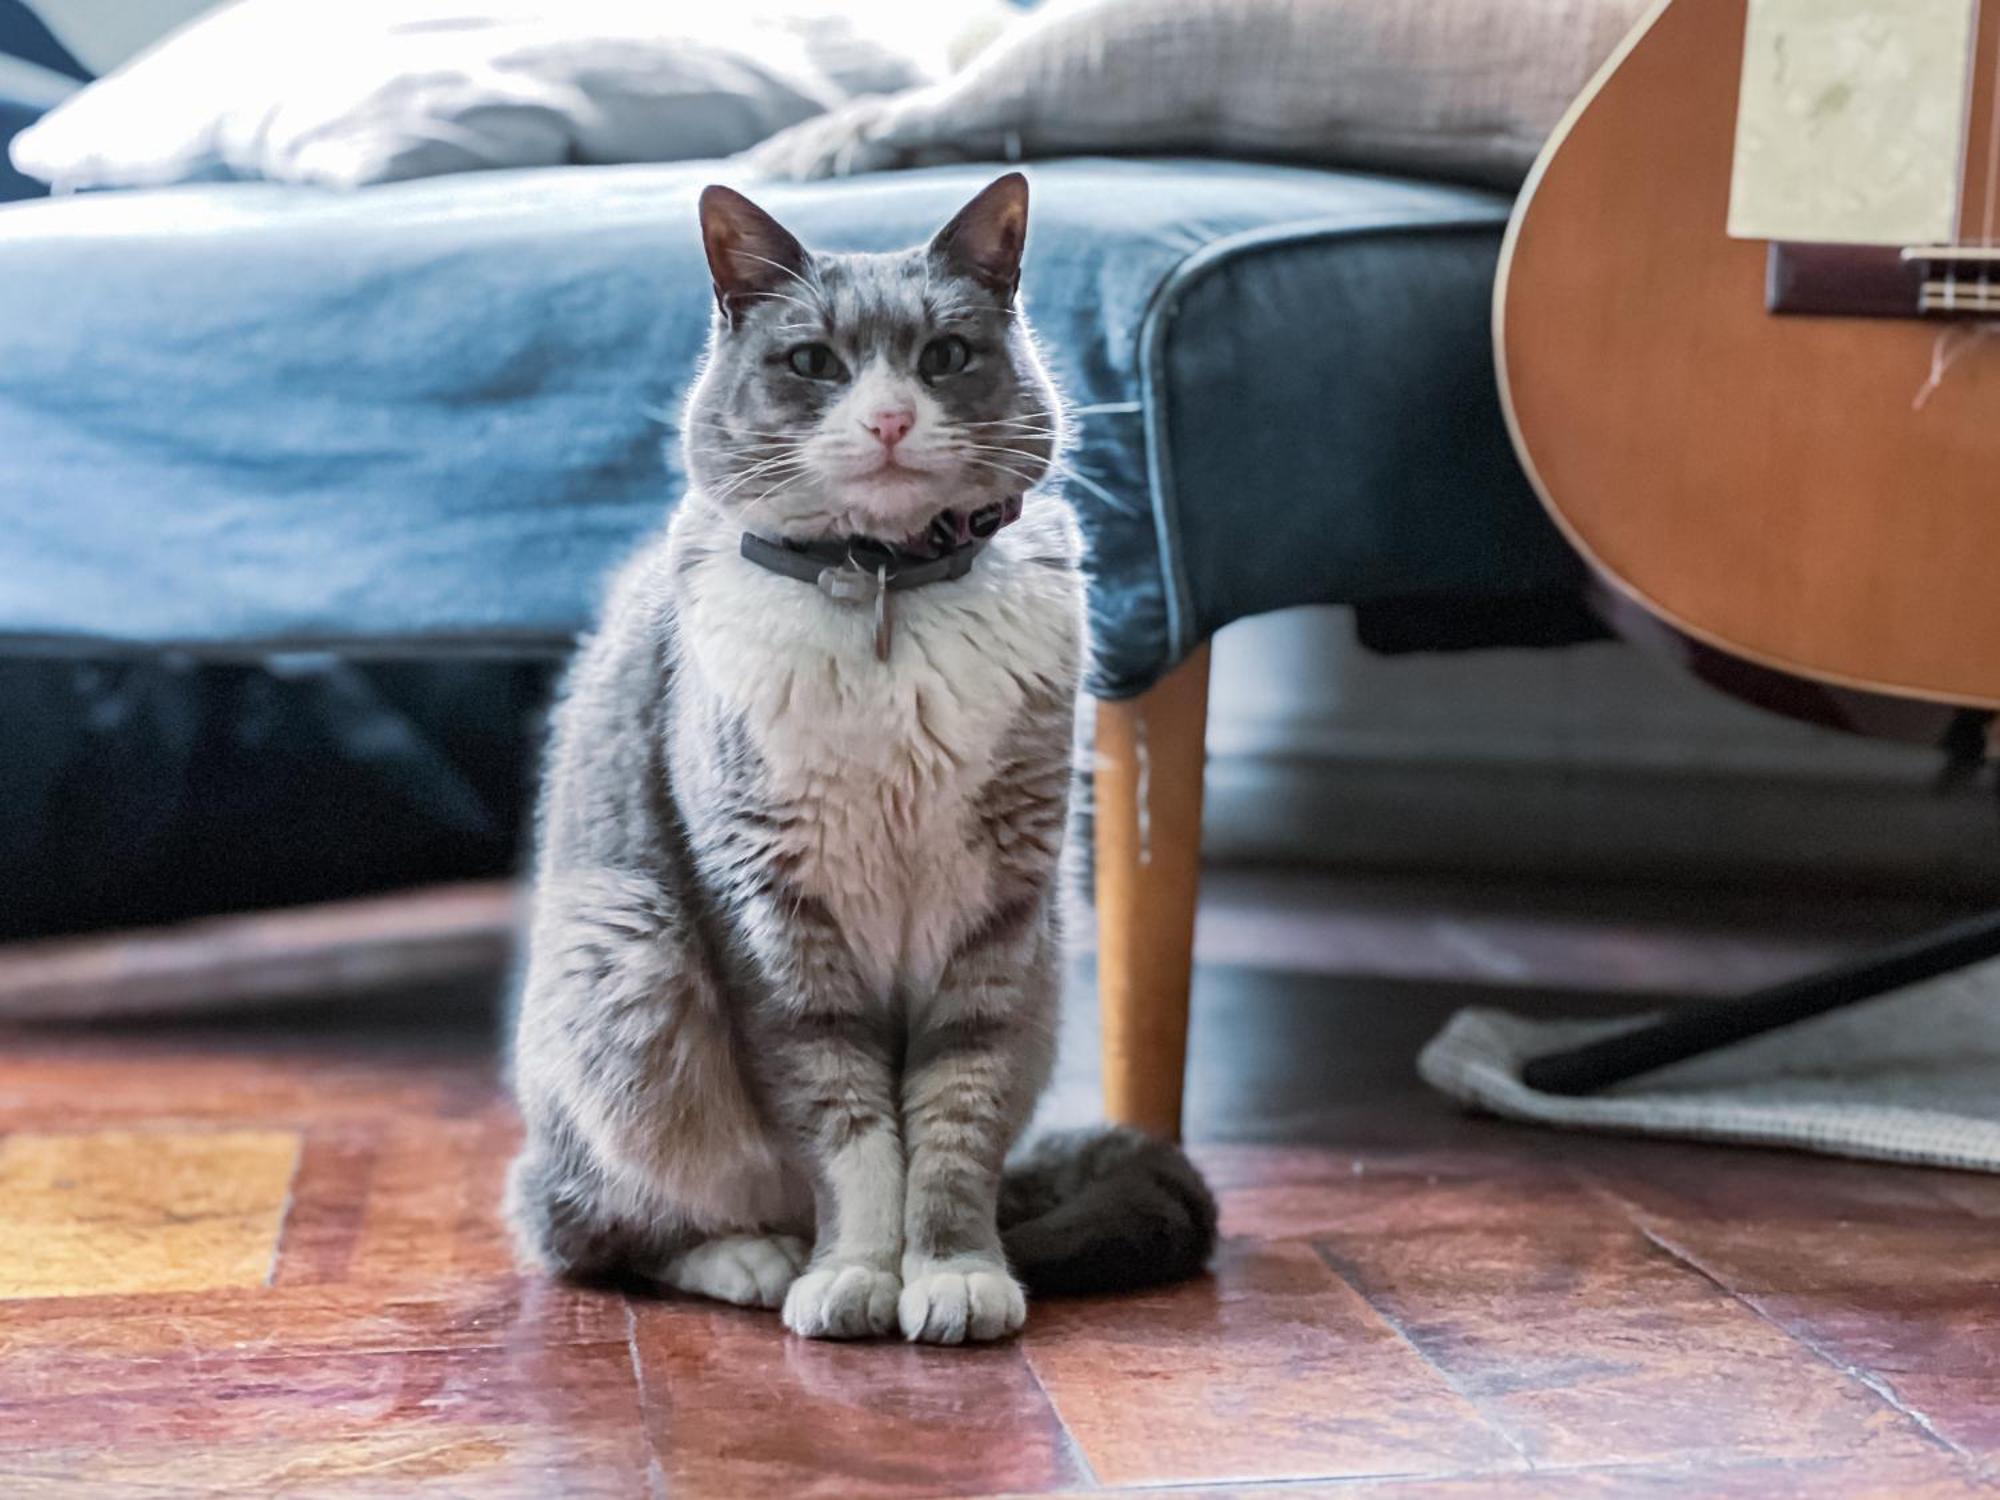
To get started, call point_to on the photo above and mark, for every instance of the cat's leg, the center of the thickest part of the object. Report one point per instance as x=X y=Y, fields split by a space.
x=567 y=1220
x=978 y=1057
x=828 y=1051
x=646 y=1156
x=572 y=1222
x=842 y=1083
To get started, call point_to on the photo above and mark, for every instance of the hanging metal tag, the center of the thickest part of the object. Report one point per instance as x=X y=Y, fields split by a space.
x=848 y=584
x=883 y=615
x=852 y=585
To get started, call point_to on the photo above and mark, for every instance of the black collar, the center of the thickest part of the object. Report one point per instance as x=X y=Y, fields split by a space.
x=857 y=569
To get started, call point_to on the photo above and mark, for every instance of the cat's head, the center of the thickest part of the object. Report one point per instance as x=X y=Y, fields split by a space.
x=866 y=395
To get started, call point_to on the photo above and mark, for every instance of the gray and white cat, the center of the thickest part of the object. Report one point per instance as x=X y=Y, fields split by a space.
x=793 y=968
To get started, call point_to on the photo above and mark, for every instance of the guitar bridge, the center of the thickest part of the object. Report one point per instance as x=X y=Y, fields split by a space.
x=1876 y=281
x=1959 y=280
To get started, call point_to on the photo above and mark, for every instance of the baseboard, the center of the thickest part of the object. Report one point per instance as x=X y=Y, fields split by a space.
x=1529 y=822
x=1592 y=763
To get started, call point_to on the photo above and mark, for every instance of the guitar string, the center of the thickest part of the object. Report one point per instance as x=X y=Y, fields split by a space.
x=1972 y=126
x=1957 y=339
x=1993 y=136
x=1959 y=225
x=1992 y=160
x=1978 y=331
x=1985 y=290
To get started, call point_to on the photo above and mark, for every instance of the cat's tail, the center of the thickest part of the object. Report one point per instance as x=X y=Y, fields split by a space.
x=1104 y=1210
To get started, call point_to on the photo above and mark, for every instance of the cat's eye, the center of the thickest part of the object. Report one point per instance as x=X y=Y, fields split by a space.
x=945 y=356
x=815 y=362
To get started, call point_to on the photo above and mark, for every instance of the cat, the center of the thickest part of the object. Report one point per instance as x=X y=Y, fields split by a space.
x=792 y=968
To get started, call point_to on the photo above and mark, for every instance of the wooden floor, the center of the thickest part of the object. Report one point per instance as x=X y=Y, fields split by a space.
x=260 y=1257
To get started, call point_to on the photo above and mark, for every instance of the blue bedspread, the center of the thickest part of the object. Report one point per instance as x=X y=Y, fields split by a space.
x=244 y=417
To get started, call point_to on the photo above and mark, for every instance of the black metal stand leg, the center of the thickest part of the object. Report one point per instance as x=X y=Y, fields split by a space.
x=1706 y=1028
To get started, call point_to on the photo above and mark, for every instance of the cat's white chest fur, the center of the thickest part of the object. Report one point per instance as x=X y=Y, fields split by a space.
x=882 y=764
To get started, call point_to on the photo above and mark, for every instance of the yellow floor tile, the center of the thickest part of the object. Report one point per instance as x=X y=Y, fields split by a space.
x=124 y=1211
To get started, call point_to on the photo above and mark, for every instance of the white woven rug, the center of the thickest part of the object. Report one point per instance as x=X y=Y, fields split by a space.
x=1912 y=1077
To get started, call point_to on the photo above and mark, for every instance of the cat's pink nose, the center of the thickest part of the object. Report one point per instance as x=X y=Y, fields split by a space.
x=892 y=424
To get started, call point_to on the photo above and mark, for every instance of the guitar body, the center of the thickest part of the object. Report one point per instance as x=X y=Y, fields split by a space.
x=1782 y=487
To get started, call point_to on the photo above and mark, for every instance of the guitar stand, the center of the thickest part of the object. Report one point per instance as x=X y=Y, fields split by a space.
x=1971 y=743
x=1701 y=1029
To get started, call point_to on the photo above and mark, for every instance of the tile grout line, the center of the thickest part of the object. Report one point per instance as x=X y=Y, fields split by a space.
x=1062 y=1422
x=1171 y=1487
x=1676 y=1469
x=1395 y=1325
x=286 y=1204
x=1636 y=1215
x=656 y=1479
x=1868 y=1380
x=138 y=1487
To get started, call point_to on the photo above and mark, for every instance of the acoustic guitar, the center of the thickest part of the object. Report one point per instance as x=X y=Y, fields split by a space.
x=1748 y=324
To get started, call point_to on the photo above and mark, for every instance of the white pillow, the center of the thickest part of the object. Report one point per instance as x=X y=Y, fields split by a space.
x=1457 y=88
x=345 y=92
x=101 y=34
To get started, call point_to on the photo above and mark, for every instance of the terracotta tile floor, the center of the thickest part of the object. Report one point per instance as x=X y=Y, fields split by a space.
x=261 y=1258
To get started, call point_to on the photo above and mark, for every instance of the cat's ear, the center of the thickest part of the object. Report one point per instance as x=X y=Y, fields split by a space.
x=750 y=254
x=986 y=238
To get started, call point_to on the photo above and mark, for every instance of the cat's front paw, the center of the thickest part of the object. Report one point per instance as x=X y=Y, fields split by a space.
x=953 y=1302
x=843 y=1302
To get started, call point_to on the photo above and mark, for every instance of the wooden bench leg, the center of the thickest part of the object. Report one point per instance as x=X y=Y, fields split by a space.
x=1150 y=753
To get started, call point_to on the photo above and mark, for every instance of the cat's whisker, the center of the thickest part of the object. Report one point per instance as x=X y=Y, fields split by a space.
x=1028 y=481
x=1010 y=430
x=770 y=461
x=739 y=253
x=1052 y=467
x=731 y=427
x=760 y=449
x=1010 y=434
x=766 y=504
x=809 y=523
x=770 y=468
x=770 y=480
x=762 y=503
x=796 y=302
x=1021 y=454
x=739 y=459
x=817 y=307
x=754 y=450
x=773 y=450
